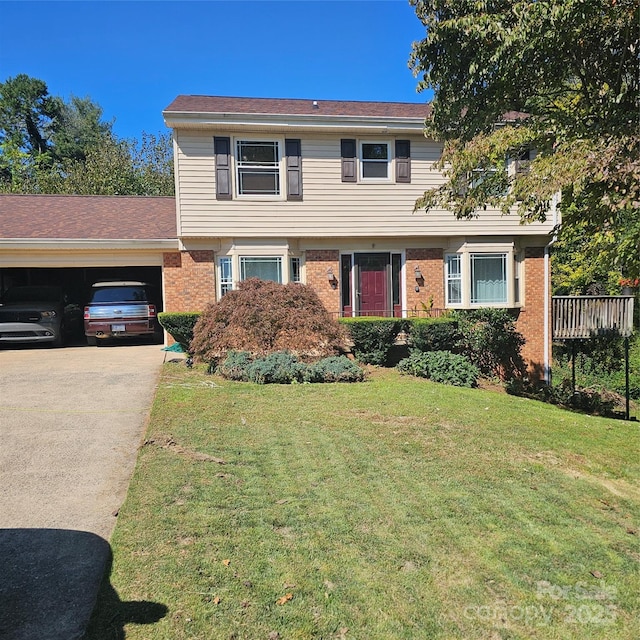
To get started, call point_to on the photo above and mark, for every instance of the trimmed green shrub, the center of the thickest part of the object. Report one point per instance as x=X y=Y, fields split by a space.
x=180 y=327
x=280 y=367
x=441 y=366
x=434 y=334
x=488 y=337
x=334 y=369
x=373 y=338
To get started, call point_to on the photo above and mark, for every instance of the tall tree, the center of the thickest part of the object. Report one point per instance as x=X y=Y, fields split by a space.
x=80 y=128
x=48 y=145
x=28 y=114
x=559 y=78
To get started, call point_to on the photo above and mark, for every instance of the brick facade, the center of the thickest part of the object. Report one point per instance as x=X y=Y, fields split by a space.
x=531 y=319
x=189 y=280
x=189 y=284
x=430 y=263
x=318 y=262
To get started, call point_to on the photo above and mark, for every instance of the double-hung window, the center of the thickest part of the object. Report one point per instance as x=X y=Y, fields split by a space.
x=453 y=277
x=375 y=161
x=225 y=274
x=258 y=167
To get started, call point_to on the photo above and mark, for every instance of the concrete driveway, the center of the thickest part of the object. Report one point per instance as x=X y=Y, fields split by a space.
x=71 y=421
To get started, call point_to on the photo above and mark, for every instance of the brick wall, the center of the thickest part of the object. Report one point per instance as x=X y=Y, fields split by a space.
x=318 y=261
x=530 y=322
x=429 y=262
x=189 y=280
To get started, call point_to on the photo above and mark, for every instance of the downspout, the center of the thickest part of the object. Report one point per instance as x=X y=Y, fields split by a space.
x=547 y=293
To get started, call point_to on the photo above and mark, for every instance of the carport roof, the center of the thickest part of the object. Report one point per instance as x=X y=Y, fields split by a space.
x=87 y=217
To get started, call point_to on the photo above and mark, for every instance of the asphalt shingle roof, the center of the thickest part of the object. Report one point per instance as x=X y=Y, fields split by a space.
x=288 y=106
x=87 y=217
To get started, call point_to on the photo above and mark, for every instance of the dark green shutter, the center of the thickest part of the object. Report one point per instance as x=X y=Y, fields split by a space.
x=403 y=161
x=349 y=164
x=293 y=151
x=222 y=152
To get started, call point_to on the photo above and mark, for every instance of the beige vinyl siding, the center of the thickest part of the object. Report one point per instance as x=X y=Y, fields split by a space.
x=330 y=207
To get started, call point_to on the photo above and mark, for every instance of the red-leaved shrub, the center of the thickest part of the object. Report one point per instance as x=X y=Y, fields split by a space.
x=262 y=317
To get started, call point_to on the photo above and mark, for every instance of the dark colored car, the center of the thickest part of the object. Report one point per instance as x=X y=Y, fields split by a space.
x=121 y=309
x=38 y=314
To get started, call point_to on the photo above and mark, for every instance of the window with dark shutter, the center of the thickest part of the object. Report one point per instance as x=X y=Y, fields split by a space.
x=348 y=152
x=403 y=161
x=293 y=151
x=222 y=153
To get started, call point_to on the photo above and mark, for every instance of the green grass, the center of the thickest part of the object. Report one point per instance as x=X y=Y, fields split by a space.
x=392 y=509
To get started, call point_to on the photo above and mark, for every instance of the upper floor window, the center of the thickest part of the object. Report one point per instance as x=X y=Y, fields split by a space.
x=258 y=167
x=375 y=160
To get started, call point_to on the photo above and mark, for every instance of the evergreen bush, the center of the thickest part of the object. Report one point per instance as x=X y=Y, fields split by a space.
x=373 y=338
x=488 y=337
x=334 y=369
x=280 y=367
x=235 y=366
x=441 y=366
x=434 y=334
x=180 y=327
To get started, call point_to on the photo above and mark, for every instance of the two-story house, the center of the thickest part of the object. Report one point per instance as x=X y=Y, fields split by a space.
x=322 y=192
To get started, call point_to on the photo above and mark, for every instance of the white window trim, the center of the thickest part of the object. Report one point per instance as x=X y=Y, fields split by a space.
x=512 y=266
x=389 y=161
x=281 y=169
x=448 y=303
x=235 y=254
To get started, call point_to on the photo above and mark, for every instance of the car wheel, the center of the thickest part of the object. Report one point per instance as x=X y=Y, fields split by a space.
x=59 y=339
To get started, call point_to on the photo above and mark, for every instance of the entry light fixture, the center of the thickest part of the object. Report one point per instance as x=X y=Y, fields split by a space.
x=333 y=281
x=418 y=274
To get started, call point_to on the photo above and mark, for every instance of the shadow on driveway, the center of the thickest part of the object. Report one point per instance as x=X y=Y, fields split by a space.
x=49 y=582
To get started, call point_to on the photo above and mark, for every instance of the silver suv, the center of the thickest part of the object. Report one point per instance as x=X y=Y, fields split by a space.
x=121 y=309
x=38 y=313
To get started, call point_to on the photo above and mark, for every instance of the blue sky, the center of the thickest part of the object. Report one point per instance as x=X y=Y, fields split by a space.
x=133 y=58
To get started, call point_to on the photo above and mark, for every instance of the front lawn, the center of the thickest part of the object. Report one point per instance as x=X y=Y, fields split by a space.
x=391 y=509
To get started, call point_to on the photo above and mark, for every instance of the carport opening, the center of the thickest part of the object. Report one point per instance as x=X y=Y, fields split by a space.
x=77 y=281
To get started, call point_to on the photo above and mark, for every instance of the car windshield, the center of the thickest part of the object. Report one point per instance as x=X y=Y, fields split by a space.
x=32 y=294
x=120 y=294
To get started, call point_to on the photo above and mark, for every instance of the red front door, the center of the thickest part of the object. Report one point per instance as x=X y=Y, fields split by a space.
x=373 y=288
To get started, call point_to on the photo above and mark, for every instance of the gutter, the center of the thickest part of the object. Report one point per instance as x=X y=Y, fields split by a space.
x=67 y=244
x=177 y=120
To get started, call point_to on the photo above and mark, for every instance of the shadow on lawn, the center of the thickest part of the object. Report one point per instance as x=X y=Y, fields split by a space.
x=111 y=614
x=48 y=586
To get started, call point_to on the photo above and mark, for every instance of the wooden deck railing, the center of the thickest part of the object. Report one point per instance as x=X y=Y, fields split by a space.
x=576 y=317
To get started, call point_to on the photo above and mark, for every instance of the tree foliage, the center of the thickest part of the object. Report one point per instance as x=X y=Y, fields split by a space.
x=48 y=145
x=556 y=76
